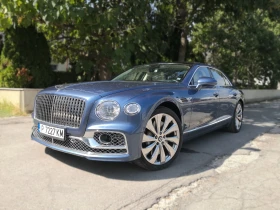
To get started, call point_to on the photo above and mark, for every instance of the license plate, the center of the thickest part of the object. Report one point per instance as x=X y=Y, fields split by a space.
x=51 y=131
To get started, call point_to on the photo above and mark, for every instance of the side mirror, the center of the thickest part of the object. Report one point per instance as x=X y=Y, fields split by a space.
x=206 y=81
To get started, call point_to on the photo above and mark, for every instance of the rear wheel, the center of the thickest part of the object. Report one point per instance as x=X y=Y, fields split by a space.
x=162 y=140
x=236 y=122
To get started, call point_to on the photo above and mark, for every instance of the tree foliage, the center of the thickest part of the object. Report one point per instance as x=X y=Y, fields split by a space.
x=93 y=34
x=102 y=37
x=28 y=49
x=247 y=48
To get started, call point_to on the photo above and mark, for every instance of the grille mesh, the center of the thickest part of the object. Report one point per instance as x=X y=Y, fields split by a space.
x=75 y=144
x=117 y=139
x=60 y=110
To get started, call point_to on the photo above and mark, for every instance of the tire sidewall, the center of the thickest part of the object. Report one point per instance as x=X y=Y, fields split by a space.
x=234 y=124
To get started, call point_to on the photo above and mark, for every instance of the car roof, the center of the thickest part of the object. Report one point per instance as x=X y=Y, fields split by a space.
x=179 y=63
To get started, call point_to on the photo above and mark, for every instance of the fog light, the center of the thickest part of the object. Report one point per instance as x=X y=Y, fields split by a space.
x=105 y=139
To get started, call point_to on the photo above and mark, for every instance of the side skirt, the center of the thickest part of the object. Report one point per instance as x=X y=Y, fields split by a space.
x=214 y=125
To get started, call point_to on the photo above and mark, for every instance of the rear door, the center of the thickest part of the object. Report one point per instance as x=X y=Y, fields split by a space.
x=226 y=94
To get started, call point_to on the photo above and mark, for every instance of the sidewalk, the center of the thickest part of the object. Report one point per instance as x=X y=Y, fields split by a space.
x=242 y=180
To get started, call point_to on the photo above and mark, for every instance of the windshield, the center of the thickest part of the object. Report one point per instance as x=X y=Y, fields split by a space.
x=155 y=73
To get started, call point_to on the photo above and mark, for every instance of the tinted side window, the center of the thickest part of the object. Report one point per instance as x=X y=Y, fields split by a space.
x=221 y=80
x=200 y=72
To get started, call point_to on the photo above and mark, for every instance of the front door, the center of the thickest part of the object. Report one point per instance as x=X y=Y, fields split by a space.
x=205 y=101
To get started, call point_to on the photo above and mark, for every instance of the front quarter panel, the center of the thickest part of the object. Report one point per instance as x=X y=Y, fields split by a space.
x=148 y=100
x=131 y=126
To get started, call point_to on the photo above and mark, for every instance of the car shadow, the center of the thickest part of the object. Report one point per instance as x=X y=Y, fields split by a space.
x=195 y=157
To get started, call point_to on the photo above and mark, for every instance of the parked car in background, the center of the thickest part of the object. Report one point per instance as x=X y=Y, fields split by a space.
x=143 y=115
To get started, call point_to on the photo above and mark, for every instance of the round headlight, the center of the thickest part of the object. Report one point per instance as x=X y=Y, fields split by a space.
x=132 y=109
x=107 y=110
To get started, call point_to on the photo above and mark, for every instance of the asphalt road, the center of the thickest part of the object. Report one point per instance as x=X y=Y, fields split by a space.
x=34 y=177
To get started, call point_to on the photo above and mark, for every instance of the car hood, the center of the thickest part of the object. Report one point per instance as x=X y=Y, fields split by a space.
x=104 y=88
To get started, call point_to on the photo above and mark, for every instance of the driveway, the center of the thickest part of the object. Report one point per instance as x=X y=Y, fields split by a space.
x=34 y=177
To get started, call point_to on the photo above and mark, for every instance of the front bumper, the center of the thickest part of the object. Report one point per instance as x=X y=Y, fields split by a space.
x=87 y=147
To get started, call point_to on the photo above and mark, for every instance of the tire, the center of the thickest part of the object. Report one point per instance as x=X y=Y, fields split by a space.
x=236 y=122
x=160 y=149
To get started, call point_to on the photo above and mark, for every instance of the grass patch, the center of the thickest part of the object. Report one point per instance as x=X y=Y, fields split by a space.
x=8 y=109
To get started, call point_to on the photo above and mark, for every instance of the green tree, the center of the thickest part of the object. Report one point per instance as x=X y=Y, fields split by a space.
x=246 y=48
x=104 y=37
x=26 y=48
x=98 y=36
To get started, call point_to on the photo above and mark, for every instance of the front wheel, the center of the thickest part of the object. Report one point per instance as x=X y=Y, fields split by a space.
x=162 y=140
x=236 y=122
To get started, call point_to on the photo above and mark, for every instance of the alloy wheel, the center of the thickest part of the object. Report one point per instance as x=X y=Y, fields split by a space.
x=161 y=139
x=238 y=116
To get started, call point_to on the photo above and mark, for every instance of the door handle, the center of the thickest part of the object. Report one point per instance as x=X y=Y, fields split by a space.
x=234 y=94
x=216 y=94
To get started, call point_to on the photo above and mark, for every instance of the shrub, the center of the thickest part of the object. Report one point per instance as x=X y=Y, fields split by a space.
x=23 y=76
x=11 y=77
x=8 y=77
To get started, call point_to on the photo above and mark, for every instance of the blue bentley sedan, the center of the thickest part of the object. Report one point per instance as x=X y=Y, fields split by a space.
x=141 y=116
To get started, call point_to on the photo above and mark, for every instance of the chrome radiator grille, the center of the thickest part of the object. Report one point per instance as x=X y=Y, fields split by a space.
x=60 y=110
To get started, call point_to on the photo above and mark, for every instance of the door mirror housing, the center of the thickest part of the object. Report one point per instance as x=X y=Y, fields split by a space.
x=206 y=81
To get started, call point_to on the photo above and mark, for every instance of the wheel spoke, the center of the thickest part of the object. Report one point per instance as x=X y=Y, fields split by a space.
x=166 y=123
x=238 y=116
x=173 y=128
x=237 y=123
x=147 y=138
x=169 y=149
x=148 y=148
x=151 y=127
x=174 y=139
x=162 y=154
x=158 y=122
x=155 y=155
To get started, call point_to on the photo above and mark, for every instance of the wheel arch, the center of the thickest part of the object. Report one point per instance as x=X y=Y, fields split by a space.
x=172 y=106
x=242 y=103
x=168 y=102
